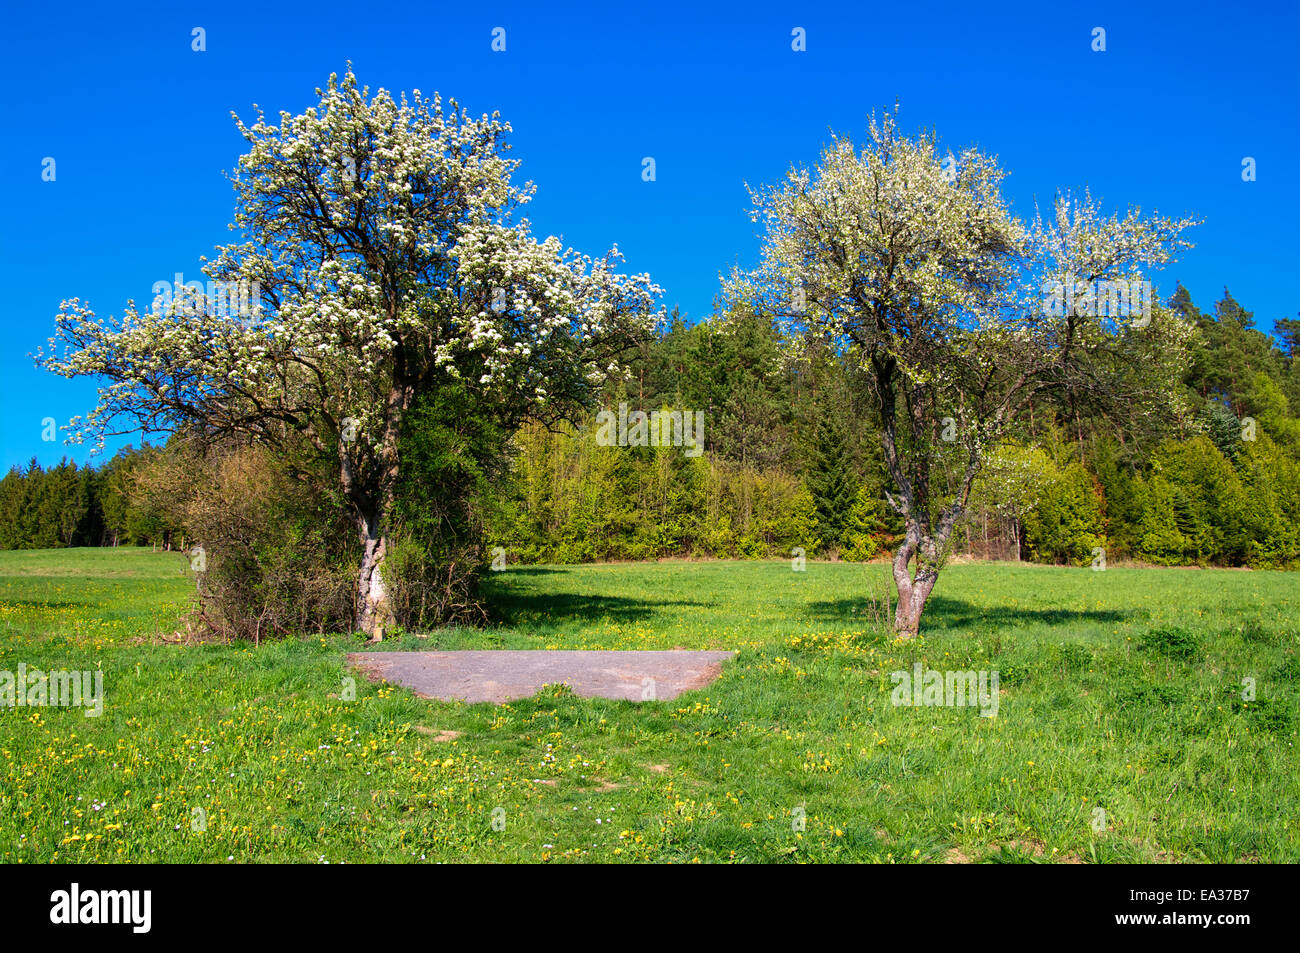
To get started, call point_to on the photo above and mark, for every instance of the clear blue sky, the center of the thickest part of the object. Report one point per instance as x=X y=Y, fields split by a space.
x=140 y=128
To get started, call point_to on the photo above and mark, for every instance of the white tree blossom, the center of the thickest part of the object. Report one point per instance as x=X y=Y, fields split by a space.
x=384 y=238
x=917 y=269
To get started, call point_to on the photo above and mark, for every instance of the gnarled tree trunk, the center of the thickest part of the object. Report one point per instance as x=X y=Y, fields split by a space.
x=913 y=591
x=926 y=538
x=370 y=487
x=374 y=608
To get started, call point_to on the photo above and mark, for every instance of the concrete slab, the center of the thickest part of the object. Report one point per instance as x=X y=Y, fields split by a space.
x=506 y=674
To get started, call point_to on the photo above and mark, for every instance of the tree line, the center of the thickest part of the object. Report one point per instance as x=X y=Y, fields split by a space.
x=791 y=460
x=70 y=505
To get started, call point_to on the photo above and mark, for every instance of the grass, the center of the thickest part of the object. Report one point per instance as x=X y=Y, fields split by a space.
x=1121 y=690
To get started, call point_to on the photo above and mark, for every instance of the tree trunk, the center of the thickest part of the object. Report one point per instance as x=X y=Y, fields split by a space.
x=374 y=608
x=926 y=548
x=912 y=595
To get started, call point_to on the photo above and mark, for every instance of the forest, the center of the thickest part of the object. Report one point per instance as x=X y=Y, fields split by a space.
x=792 y=461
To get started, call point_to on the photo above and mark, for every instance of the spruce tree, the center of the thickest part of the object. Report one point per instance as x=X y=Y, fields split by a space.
x=830 y=473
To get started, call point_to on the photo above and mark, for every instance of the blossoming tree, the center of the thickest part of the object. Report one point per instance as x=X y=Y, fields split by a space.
x=383 y=237
x=960 y=315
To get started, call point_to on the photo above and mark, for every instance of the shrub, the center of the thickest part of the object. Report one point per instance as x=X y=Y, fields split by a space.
x=271 y=554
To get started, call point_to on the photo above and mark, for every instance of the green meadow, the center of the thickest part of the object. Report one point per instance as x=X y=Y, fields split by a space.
x=1127 y=729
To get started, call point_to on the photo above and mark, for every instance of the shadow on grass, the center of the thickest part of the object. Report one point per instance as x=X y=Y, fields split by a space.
x=518 y=608
x=49 y=603
x=944 y=612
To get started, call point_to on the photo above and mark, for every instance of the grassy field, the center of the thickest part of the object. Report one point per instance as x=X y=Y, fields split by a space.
x=1121 y=690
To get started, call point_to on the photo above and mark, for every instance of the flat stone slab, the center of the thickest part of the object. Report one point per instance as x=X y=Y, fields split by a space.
x=501 y=675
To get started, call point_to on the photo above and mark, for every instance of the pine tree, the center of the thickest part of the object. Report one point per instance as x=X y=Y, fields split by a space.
x=1287 y=330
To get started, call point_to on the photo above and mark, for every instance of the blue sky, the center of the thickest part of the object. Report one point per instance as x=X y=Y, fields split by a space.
x=139 y=126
